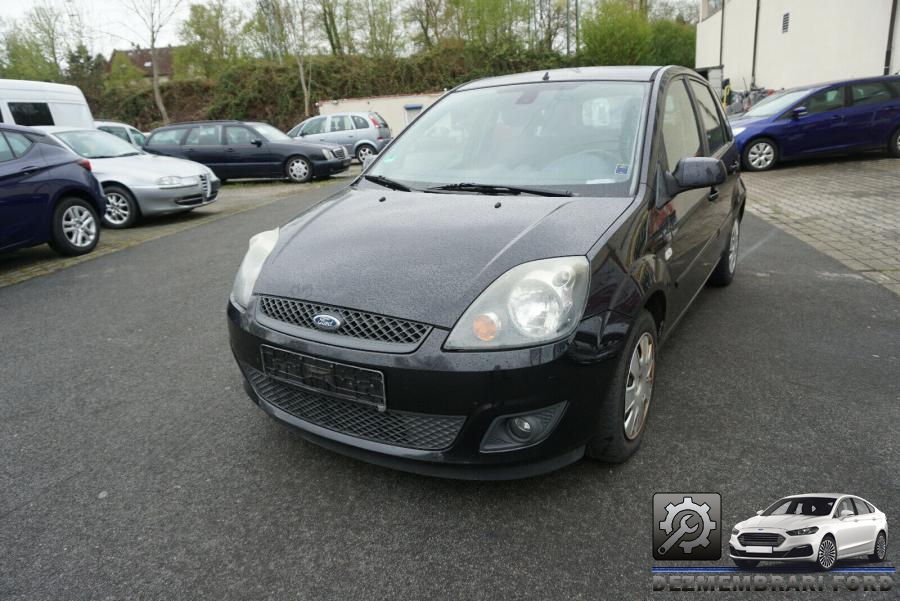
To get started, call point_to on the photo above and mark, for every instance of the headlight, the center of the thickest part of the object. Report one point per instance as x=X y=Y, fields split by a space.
x=735 y=531
x=327 y=154
x=174 y=181
x=803 y=531
x=737 y=130
x=533 y=303
x=260 y=247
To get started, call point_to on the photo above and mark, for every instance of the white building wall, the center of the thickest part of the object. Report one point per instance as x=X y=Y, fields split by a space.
x=392 y=108
x=826 y=40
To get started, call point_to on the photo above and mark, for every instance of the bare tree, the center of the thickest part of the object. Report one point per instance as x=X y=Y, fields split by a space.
x=153 y=16
x=285 y=24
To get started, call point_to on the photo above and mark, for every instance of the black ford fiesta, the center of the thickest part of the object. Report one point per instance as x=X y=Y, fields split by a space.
x=487 y=300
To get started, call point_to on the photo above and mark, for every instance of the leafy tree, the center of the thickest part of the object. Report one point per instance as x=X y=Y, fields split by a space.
x=212 y=39
x=86 y=71
x=672 y=43
x=122 y=73
x=22 y=57
x=616 y=34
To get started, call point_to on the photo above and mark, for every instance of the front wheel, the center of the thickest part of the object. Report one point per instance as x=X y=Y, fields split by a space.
x=298 y=170
x=760 y=155
x=624 y=410
x=880 y=548
x=745 y=564
x=76 y=229
x=363 y=152
x=827 y=554
x=121 y=208
x=724 y=271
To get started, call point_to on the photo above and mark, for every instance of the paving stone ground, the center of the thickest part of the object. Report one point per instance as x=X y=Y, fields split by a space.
x=233 y=198
x=846 y=208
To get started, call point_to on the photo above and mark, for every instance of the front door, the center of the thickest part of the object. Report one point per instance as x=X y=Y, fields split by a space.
x=850 y=533
x=342 y=131
x=247 y=153
x=823 y=128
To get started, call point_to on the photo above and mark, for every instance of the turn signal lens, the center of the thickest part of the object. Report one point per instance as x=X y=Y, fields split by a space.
x=485 y=326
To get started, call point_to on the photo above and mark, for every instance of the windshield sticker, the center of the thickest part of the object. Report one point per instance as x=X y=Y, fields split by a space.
x=390 y=158
x=621 y=169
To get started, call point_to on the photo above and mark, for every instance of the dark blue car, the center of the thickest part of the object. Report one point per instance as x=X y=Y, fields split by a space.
x=833 y=118
x=47 y=194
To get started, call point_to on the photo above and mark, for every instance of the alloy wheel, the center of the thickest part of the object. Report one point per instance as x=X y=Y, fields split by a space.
x=827 y=553
x=733 y=246
x=364 y=152
x=117 y=208
x=761 y=155
x=79 y=226
x=880 y=547
x=298 y=170
x=639 y=385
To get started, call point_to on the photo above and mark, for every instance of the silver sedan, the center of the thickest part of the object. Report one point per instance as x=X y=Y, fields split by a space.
x=138 y=184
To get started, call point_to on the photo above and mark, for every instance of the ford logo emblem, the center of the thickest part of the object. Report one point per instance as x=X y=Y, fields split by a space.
x=324 y=321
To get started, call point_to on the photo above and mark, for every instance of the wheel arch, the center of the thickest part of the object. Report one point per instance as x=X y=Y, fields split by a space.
x=112 y=182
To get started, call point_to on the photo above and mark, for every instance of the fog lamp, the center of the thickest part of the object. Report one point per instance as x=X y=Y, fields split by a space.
x=518 y=430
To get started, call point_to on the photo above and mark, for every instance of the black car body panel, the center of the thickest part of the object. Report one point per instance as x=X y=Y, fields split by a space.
x=426 y=257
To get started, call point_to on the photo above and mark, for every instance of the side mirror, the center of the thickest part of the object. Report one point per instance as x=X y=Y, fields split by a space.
x=798 y=111
x=760 y=512
x=690 y=173
x=256 y=142
x=368 y=160
x=846 y=514
x=301 y=134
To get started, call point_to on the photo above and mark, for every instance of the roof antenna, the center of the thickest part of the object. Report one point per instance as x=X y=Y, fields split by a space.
x=546 y=76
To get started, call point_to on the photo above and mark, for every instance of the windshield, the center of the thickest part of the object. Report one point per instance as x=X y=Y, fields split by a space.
x=776 y=103
x=97 y=144
x=270 y=133
x=578 y=137
x=801 y=506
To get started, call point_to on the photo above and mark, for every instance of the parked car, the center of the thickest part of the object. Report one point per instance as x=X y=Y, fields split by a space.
x=248 y=149
x=123 y=131
x=361 y=134
x=834 y=118
x=40 y=103
x=138 y=184
x=47 y=194
x=820 y=528
x=487 y=299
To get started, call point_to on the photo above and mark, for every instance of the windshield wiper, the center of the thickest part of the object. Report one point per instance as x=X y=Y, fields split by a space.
x=388 y=183
x=492 y=189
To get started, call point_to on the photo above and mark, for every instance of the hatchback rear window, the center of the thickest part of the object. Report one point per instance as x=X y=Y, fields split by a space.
x=31 y=113
x=379 y=119
x=167 y=136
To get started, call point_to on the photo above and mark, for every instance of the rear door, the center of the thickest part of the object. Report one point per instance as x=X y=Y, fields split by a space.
x=872 y=111
x=22 y=201
x=203 y=144
x=167 y=142
x=824 y=126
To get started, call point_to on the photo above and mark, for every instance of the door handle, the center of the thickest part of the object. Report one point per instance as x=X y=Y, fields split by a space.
x=713 y=194
x=29 y=169
x=229 y=150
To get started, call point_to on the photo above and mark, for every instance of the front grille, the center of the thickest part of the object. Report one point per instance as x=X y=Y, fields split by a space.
x=355 y=324
x=187 y=201
x=204 y=185
x=761 y=539
x=397 y=428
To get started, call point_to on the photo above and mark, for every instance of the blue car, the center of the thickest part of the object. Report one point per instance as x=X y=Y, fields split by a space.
x=47 y=194
x=833 y=118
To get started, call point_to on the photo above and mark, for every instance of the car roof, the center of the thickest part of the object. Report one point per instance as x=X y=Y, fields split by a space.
x=819 y=494
x=21 y=128
x=98 y=122
x=840 y=82
x=206 y=122
x=56 y=129
x=624 y=73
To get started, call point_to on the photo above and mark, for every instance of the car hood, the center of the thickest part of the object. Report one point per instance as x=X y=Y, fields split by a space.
x=784 y=522
x=747 y=121
x=145 y=169
x=424 y=257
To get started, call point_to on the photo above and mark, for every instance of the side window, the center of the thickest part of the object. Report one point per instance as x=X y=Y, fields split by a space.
x=31 y=113
x=139 y=138
x=19 y=143
x=679 y=127
x=340 y=123
x=895 y=86
x=119 y=132
x=712 y=120
x=844 y=505
x=826 y=100
x=204 y=135
x=166 y=137
x=237 y=135
x=360 y=122
x=316 y=126
x=861 y=507
x=869 y=93
x=6 y=153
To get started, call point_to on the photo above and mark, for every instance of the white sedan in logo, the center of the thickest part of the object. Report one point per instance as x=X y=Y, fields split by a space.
x=820 y=528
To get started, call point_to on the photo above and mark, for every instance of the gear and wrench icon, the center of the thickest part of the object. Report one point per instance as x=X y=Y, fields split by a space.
x=702 y=511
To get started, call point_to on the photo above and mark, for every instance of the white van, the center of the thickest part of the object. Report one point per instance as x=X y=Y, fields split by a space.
x=40 y=103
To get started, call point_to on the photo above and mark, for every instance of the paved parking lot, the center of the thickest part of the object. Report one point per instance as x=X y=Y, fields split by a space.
x=135 y=467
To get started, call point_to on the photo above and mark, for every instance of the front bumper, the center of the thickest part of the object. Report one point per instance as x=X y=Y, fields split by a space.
x=793 y=548
x=324 y=167
x=153 y=200
x=454 y=396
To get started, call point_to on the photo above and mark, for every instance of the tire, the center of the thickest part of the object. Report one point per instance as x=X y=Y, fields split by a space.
x=745 y=564
x=76 y=227
x=298 y=169
x=894 y=144
x=618 y=433
x=760 y=154
x=724 y=271
x=121 y=209
x=365 y=150
x=826 y=556
x=880 y=548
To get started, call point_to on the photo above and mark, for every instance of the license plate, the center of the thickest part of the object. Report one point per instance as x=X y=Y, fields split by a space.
x=347 y=382
x=759 y=549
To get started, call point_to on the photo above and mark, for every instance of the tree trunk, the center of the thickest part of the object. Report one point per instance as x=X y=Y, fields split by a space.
x=156 y=94
x=304 y=84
